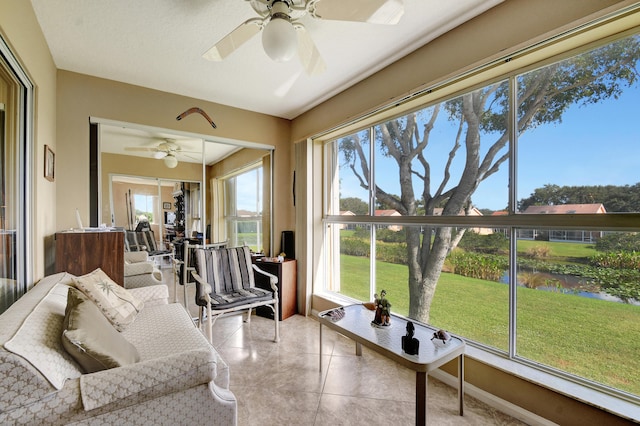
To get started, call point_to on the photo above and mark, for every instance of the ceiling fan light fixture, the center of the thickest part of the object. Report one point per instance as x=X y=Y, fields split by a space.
x=170 y=161
x=279 y=38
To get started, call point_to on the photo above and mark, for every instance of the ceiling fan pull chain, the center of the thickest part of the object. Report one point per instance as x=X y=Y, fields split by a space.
x=199 y=111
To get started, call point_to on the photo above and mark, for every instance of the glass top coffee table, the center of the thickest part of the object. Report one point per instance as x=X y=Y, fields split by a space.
x=354 y=321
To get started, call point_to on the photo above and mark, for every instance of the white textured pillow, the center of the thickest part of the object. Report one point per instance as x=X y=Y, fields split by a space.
x=116 y=303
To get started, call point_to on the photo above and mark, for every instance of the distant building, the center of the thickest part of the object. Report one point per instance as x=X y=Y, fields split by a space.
x=347 y=225
x=566 y=209
x=390 y=212
x=563 y=235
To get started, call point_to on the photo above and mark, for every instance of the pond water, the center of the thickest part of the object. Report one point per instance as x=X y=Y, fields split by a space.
x=568 y=284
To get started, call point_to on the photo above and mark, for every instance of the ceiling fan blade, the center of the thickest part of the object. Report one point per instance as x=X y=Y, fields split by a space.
x=236 y=38
x=387 y=12
x=140 y=148
x=309 y=55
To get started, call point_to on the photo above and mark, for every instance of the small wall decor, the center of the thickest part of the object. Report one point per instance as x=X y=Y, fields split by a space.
x=166 y=206
x=49 y=163
x=199 y=111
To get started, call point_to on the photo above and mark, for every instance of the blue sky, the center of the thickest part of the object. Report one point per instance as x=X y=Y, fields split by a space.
x=594 y=145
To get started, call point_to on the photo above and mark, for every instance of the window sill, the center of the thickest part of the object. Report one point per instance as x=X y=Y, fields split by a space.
x=577 y=391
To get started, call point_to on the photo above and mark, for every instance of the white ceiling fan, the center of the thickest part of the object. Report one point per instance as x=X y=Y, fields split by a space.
x=167 y=151
x=283 y=35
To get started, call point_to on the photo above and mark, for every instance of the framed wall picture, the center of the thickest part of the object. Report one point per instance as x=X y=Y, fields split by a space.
x=166 y=206
x=49 y=164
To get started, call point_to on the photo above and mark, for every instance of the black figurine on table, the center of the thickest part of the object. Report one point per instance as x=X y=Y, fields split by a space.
x=410 y=344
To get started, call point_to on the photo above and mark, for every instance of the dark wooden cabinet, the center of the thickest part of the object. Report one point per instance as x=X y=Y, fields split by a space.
x=287 y=288
x=80 y=253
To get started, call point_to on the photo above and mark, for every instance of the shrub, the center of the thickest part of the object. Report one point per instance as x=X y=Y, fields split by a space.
x=627 y=241
x=476 y=265
x=392 y=253
x=354 y=246
x=618 y=260
x=535 y=280
x=389 y=236
x=492 y=243
x=538 y=252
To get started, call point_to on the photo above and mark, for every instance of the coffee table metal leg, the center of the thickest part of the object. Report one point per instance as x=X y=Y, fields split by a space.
x=461 y=383
x=358 y=349
x=421 y=398
x=320 y=347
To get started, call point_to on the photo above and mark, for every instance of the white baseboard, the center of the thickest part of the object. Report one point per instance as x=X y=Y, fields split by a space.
x=493 y=401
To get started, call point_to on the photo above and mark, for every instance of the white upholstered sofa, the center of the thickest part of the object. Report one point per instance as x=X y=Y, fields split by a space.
x=178 y=379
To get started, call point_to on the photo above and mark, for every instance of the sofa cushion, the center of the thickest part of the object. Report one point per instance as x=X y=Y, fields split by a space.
x=91 y=339
x=38 y=339
x=116 y=303
x=151 y=295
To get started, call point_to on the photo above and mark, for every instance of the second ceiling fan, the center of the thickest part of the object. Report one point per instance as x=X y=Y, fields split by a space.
x=167 y=151
x=283 y=34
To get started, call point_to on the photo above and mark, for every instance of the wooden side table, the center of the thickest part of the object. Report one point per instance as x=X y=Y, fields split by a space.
x=80 y=253
x=287 y=288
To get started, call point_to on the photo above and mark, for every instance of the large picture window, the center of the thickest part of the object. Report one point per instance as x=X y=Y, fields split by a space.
x=497 y=214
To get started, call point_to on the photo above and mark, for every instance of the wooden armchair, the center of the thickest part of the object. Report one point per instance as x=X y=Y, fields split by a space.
x=225 y=283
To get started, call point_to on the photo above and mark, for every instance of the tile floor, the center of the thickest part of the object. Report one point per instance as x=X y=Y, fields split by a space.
x=280 y=383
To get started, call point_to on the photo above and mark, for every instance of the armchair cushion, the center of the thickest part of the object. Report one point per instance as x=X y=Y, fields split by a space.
x=116 y=303
x=91 y=339
x=230 y=274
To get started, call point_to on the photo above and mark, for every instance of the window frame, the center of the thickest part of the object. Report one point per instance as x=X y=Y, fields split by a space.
x=23 y=175
x=569 y=44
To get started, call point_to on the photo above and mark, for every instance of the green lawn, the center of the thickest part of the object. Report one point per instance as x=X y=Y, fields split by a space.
x=587 y=337
x=559 y=249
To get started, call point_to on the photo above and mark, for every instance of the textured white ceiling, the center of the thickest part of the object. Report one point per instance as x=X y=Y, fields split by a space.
x=159 y=44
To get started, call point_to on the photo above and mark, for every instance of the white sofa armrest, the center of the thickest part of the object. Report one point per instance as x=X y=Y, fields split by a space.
x=149 y=379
